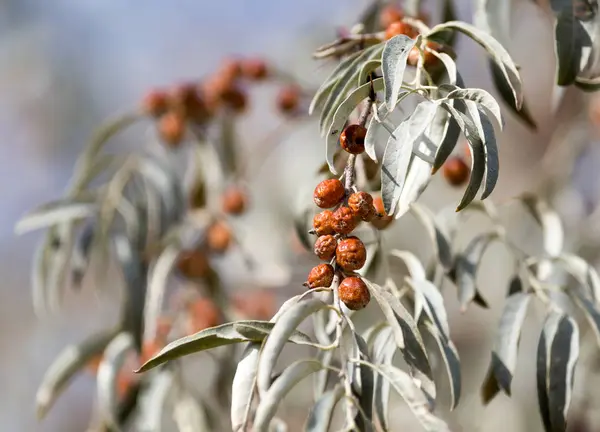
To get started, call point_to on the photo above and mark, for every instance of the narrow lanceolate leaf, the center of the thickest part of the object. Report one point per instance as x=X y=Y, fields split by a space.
x=588 y=84
x=417 y=401
x=479 y=96
x=258 y=330
x=504 y=355
x=283 y=329
x=321 y=413
x=449 y=355
x=570 y=37
x=365 y=391
x=225 y=334
x=558 y=352
x=466 y=268
x=398 y=153
x=550 y=222
x=377 y=125
x=505 y=92
x=440 y=243
x=433 y=303
x=70 y=361
x=407 y=336
x=113 y=360
x=589 y=310
x=271 y=398
x=412 y=263
x=383 y=354
x=154 y=399
x=505 y=64
x=243 y=386
x=448 y=143
x=367 y=69
x=55 y=212
x=583 y=272
x=393 y=65
x=189 y=414
x=341 y=116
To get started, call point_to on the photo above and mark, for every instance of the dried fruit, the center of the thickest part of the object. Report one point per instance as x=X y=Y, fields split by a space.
x=390 y=14
x=361 y=203
x=325 y=247
x=352 y=139
x=171 y=128
x=381 y=219
x=344 y=220
x=401 y=28
x=218 y=237
x=320 y=276
x=288 y=99
x=155 y=103
x=429 y=59
x=254 y=69
x=235 y=98
x=329 y=193
x=234 y=201
x=187 y=99
x=456 y=171
x=202 y=314
x=323 y=223
x=354 y=293
x=351 y=254
x=193 y=264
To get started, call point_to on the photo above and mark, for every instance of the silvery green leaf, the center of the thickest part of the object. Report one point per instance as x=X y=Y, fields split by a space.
x=588 y=84
x=558 y=352
x=257 y=330
x=412 y=263
x=70 y=361
x=376 y=124
x=341 y=115
x=374 y=261
x=583 y=272
x=515 y=285
x=154 y=398
x=383 y=353
x=81 y=254
x=504 y=355
x=189 y=414
x=440 y=243
x=550 y=222
x=478 y=156
x=345 y=83
x=449 y=356
x=283 y=329
x=506 y=94
x=479 y=96
x=406 y=335
x=243 y=386
x=112 y=362
x=415 y=398
x=398 y=152
x=505 y=64
x=393 y=65
x=282 y=385
x=66 y=210
x=589 y=310
x=494 y=18
x=365 y=393
x=466 y=268
x=58 y=263
x=433 y=304
x=321 y=378
x=570 y=37
x=366 y=70
x=224 y=334
x=321 y=413
x=415 y=183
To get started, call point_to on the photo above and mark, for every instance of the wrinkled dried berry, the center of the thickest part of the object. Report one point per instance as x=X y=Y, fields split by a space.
x=329 y=193
x=288 y=99
x=381 y=219
x=352 y=139
x=401 y=28
x=235 y=98
x=325 y=247
x=218 y=237
x=155 y=103
x=193 y=264
x=351 y=254
x=344 y=220
x=171 y=129
x=234 y=201
x=456 y=171
x=361 y=203
x=320 y=276
x=323 y=223
x=187 y=100
x=354 y=293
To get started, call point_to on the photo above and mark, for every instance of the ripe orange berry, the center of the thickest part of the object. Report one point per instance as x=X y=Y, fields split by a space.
x=381 y=220
x=401 y=28
x=325 y=247
x=234 y=201
x=255 y=69
x=171 y=128
x=352 y=139
x=351 y=254
x=320 y=276
x=288 y=99
x=218 y=237
x=202 y=314
x=329 y=193
x=323 y=223
x=390 y=14
x=456 y=171
x=354 y=293
x=187 y=99
x=235 y=98
x=413 y=56
x=344 y=220
x=155 y=103
x=193 y=264
x=361 y=203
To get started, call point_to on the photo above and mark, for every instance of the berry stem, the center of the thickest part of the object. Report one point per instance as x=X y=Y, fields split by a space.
x=349 y=170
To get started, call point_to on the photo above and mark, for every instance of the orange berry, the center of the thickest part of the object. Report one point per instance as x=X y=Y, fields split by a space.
x=288 y=99
x=320 y=276
x=187 y=99
x=323 y=223
x=352 y=139
x=456 y=171
x=344 y=220
x=351 y=254
x=155 y=103
x=235 y=98
x=234 y=201
x=329 y=193
x=325 y=247
x=218 y=237
x=381 y=220
x=361 y=203
x=193 y=264
x=354 y=293
x=254 y=69
x=171 y=129
x=231 y=68
x=401 y=28
x=390 y=14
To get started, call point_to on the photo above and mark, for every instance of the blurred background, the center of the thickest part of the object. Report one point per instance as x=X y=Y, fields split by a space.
x=67 y=65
